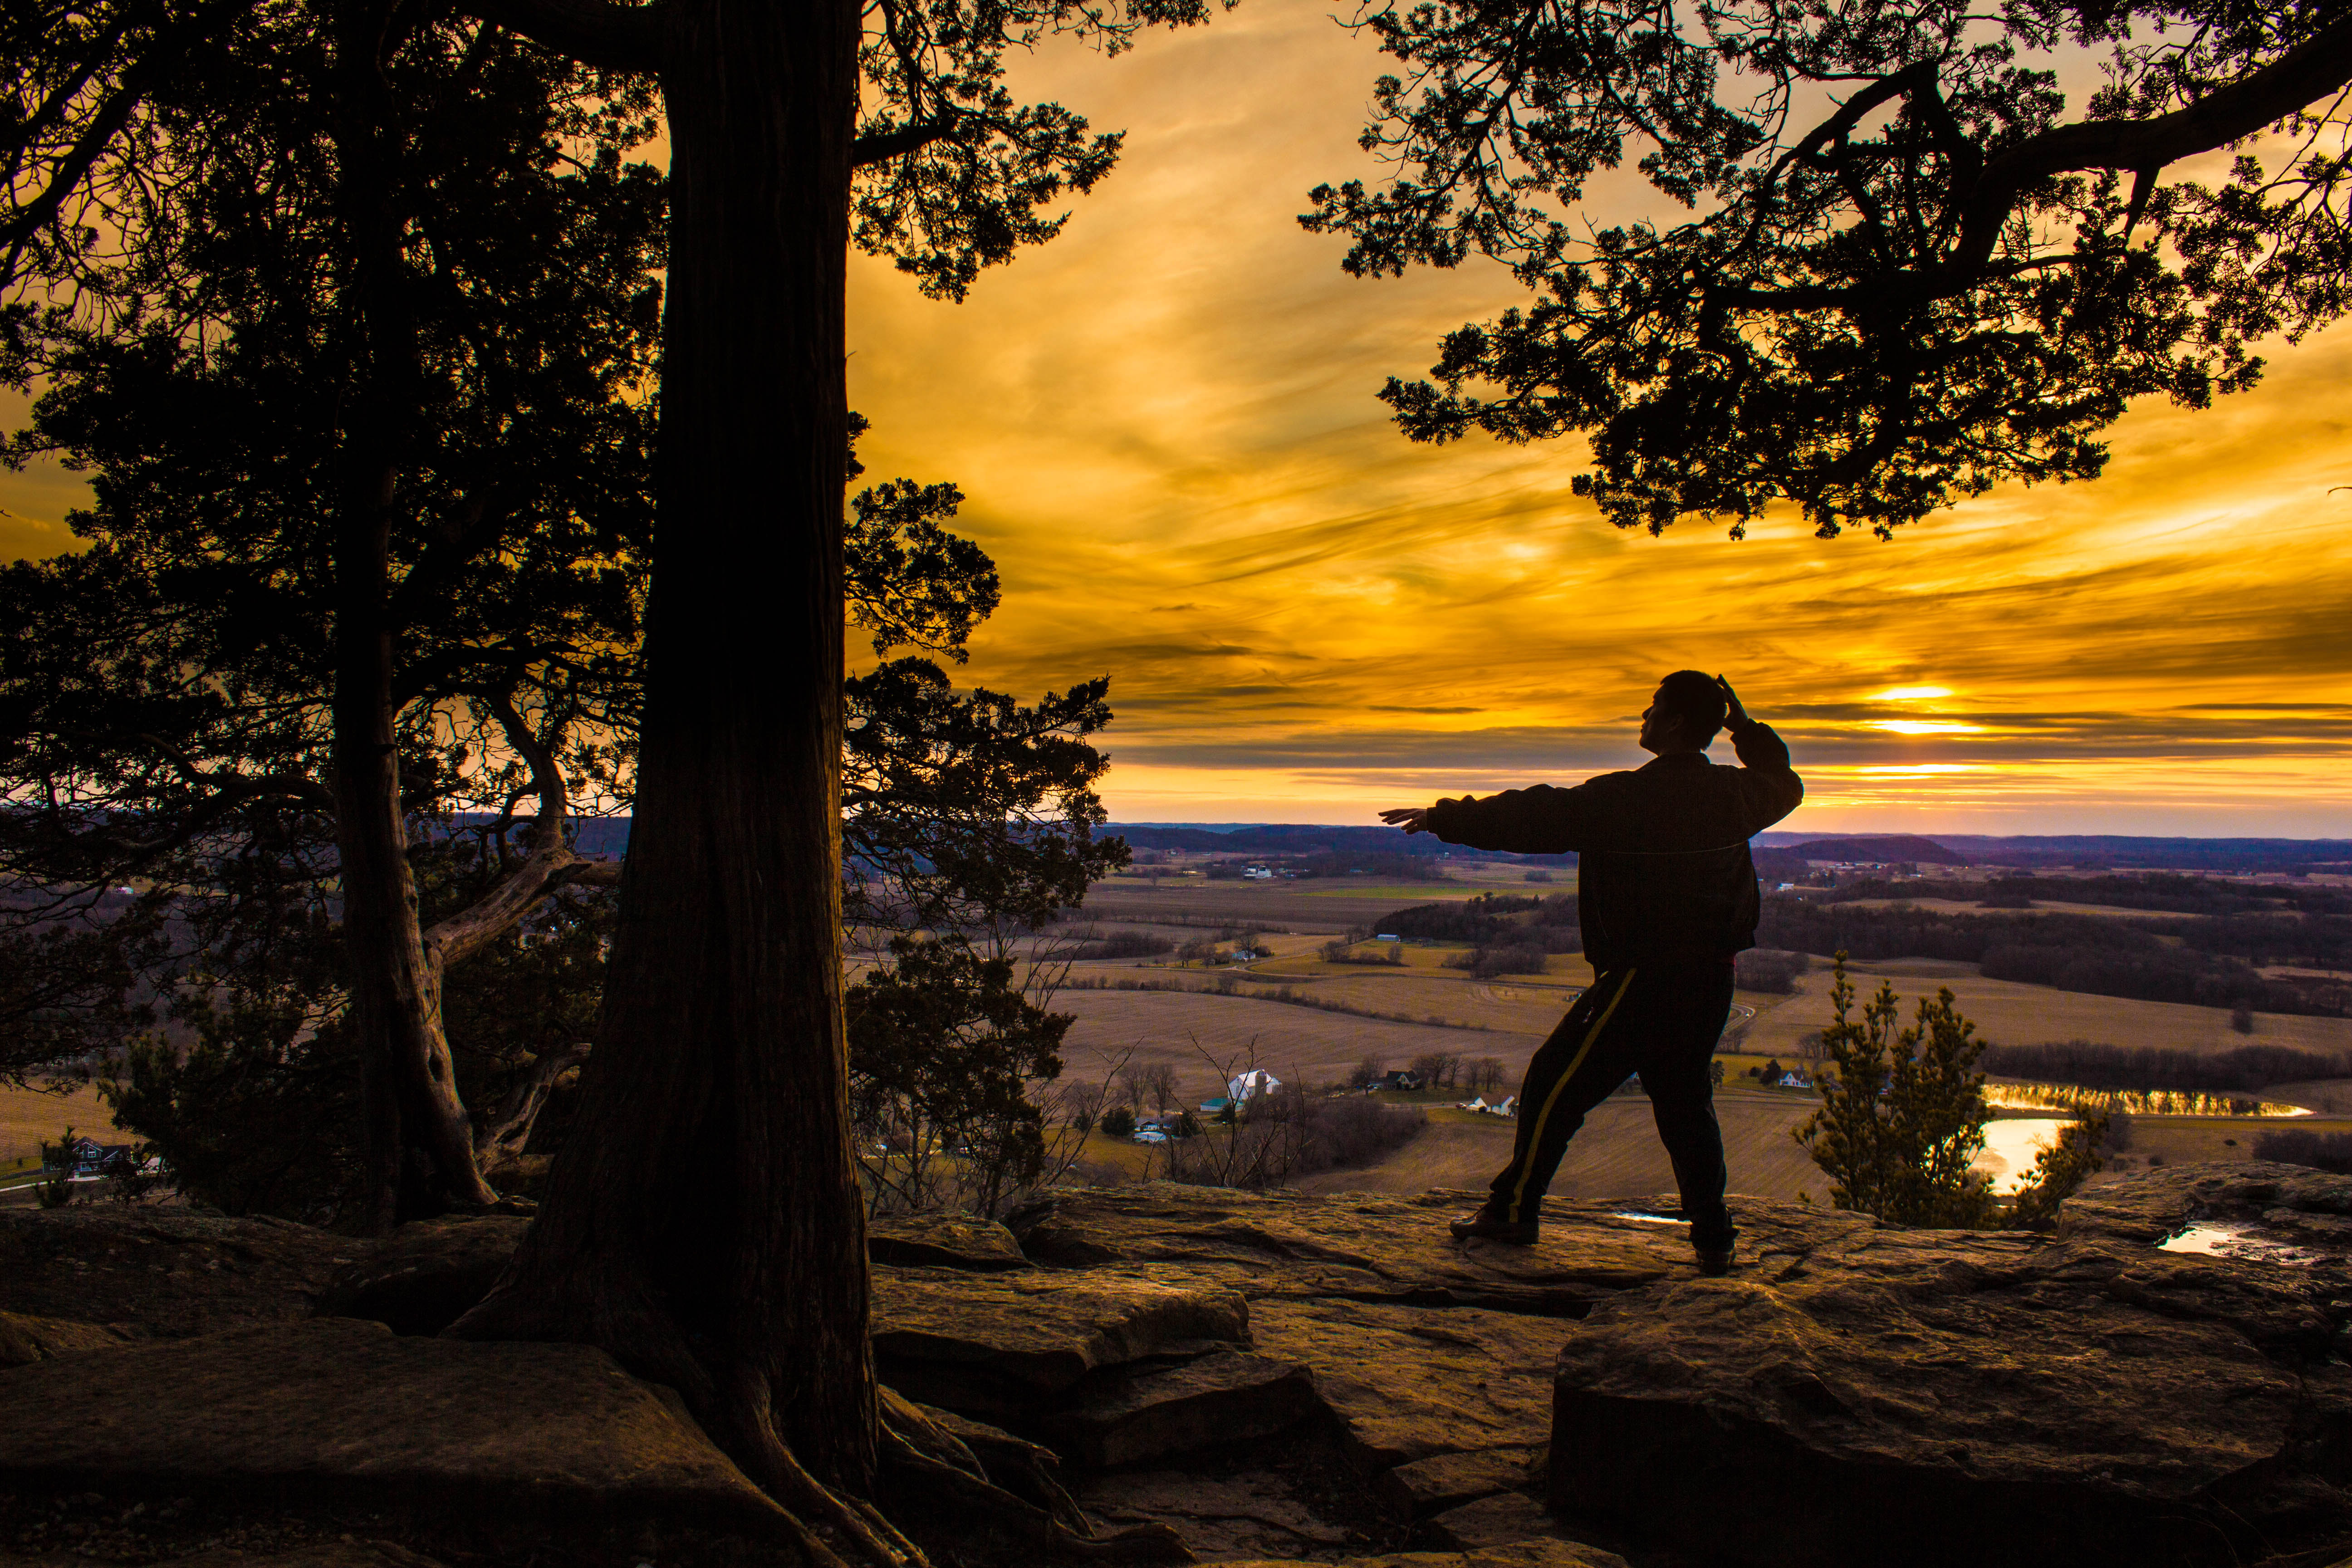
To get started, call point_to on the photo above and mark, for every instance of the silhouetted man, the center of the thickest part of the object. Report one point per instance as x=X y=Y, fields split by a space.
x=1666 y=895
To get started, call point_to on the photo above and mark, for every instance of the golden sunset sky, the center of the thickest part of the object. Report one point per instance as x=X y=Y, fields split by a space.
x=1165 y=425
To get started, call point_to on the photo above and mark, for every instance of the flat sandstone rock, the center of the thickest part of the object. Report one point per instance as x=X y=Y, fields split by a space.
x=336 y=1410
x=26 y=1339
x=1029 y=1333
x=2090 y=1397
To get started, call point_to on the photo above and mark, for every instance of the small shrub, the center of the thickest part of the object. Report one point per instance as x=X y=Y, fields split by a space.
x=2242 y=1019
x=1902 y=1120
x=1119 y=1122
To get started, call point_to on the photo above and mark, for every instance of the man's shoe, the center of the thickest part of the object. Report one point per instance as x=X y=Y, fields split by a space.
x=1488 y=1226
x=1715 y=1261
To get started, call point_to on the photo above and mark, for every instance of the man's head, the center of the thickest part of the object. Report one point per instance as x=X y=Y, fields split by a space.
x=1684 y=715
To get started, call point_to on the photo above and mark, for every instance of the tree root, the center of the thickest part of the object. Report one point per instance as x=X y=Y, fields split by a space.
x=921 y=1457
x=928 y=1461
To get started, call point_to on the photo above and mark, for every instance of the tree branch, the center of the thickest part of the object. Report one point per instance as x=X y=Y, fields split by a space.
x=594 y=32
x=890 y=144
x=477 y=925
x=2312 y=69
x=157 y=63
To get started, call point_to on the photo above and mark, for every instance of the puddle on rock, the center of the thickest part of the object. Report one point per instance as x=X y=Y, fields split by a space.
x=2215 y=1240
x=1649 y=1218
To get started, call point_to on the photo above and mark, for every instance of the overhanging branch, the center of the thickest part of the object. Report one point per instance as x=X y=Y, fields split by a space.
x=594 y=32
x=888 y=144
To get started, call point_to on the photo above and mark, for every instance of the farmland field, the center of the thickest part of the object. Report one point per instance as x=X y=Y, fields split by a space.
x=28 y=1118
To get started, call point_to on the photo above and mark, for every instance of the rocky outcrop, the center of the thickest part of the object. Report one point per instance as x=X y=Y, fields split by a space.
x=336 y=1412
x=1982 y=1399
x=426 y=1275
x=1349 y=1246
x=942 y=1241
x=1149 y=1410
x=1001 y=1338
x=1282 y=1377
x=25 y=1339
x=172 y=1272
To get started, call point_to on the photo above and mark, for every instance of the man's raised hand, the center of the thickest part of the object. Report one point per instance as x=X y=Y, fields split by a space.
x=1407 y=818
x=1733 y=716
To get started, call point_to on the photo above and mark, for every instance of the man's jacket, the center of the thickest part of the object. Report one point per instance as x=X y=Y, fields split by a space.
x=1663 y=867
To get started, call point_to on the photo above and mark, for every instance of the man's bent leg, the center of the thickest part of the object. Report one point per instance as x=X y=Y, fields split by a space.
x=1679 y=1038
x=1587 y=1056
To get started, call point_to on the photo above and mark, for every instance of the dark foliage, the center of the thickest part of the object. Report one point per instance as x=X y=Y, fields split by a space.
x=1288 y=1135
x=1486 y=963
x=1900 y=272
x=1761 y=969
x=2321 y=1151
x=2104 y=956
x=1118 y=944
x=1547 y=923
x=943 y=1047
x=2145 y=1067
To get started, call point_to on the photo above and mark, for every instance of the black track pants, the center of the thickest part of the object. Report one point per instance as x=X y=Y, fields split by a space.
x=1660 y=1020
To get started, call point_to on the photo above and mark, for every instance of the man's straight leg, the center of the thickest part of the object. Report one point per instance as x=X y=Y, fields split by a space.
x=1678 y=1040
x=1589 y=1055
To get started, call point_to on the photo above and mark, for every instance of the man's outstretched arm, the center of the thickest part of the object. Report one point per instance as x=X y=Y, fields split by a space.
x=1540 y=820
x=1769 y=786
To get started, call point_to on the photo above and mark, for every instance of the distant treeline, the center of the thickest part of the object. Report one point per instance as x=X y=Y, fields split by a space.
x=1120 y=944
x=2146 y=1069
x=2156 y=890
x=2102 y=956
x=1385 y=868
x=2320 y=1151
x=1506 y=934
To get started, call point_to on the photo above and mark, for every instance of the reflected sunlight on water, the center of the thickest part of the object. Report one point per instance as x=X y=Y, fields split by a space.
x=2011 y=1146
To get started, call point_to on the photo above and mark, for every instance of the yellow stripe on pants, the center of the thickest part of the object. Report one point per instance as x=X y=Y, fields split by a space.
x=1535 y=1137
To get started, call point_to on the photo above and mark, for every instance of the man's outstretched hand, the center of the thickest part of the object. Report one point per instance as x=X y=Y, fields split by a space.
x=1407 y=818
x=1735 y=716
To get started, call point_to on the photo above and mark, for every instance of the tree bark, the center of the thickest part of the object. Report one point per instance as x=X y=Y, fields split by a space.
x=419 y=1145
x=702 y=1221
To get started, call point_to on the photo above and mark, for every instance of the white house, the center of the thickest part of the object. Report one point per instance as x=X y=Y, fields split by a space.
x=1258 y=1080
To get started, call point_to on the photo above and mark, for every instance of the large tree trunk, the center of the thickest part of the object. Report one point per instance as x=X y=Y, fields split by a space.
x=702 y=1221
x=419 y=1145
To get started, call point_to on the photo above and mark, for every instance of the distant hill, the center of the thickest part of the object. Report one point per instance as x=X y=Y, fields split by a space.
x=610 y=835
x=2125 y=852
x=1878 y=847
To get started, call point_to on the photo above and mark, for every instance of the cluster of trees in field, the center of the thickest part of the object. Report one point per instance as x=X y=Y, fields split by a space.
x=1765 y=969
x=1116 y=944
x=1506 y=934
x=2295 y=1146
x=2107 y=956
x=1275 y=1138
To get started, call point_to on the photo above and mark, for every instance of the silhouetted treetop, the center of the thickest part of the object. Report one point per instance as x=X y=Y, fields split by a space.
x=1912 y=267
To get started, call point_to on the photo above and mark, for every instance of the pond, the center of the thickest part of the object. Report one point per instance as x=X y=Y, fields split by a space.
x=2132 y=1102
x=2011 y=1146
x=2213 y=1239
